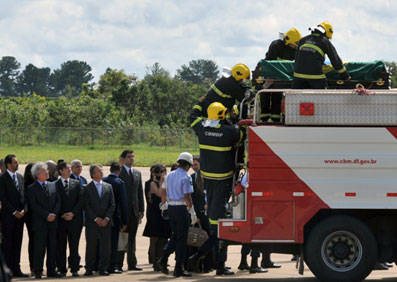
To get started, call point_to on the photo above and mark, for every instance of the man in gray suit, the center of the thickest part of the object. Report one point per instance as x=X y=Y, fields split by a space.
x=99 y=209
x=133 y=185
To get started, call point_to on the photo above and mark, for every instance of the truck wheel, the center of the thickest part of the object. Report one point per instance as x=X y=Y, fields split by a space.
x=341 y=248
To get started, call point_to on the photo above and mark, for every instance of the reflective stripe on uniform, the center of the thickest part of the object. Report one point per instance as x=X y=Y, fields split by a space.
x=342 y=70
x=215 y=148
x=197 y=107
x=275 y=116
x=217 y=176
x=219 y=92
x=196 y=121
x=309 y=76
x=314 y=47
x=213 y=221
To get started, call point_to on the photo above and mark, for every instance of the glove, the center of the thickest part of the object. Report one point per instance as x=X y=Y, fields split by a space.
x=163 y=206
x=193 y=216
x=345 y=76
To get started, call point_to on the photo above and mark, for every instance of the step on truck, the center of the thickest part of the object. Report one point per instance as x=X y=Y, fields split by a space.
x=323 y=183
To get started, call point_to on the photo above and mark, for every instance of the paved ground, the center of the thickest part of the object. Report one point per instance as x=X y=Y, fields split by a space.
x=284 y=274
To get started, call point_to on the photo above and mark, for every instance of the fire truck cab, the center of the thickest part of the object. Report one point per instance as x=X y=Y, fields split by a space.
x=323 y=184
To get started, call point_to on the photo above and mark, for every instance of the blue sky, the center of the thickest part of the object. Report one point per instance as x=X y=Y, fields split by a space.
x=134 y=34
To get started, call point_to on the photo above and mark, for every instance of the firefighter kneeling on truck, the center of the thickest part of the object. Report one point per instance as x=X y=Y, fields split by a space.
x=309 y=61
x=225 y=90
x=217 y=142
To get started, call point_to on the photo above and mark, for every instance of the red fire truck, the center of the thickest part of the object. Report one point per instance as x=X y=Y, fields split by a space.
x=323 y=184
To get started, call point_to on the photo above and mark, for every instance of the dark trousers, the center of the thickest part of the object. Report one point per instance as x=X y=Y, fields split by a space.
x=156 y=248
x=271 y=106
x=299 y=83
x=218 y=194
x=98 y=240
x=45 y=238
x=68 y=233
x=179 y=223
x=131 y=257
x=12 y=229
x=29 y=227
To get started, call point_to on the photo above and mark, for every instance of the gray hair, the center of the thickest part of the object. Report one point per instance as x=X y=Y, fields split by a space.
x=92 y=169
x=76 y=163
x=37 y=167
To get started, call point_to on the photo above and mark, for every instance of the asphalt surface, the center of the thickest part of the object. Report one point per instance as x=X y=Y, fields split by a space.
x=287 y=272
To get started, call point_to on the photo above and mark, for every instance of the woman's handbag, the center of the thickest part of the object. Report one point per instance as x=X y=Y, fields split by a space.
x=196 y=236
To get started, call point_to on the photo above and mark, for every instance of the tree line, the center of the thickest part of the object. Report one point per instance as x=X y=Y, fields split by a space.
x=117 y=100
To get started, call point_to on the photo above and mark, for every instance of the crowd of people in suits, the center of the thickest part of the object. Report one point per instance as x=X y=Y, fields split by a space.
x=55 y=201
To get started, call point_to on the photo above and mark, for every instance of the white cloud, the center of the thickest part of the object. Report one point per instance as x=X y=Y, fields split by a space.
x=131 y=35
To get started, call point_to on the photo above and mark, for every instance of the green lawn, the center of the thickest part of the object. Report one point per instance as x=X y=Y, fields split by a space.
x=145 y=155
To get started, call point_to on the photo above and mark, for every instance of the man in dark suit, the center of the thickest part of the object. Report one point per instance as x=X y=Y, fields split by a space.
x=120 y=215
x=45 y=204
x=134 y=188
x=99 y=208
x=13 y=214
x=70 y=222
x=77 y=168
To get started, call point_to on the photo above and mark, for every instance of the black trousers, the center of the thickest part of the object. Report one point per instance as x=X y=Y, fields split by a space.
x=29 y=227
x=179 y=223
x=156 y=248
x=131 y=256
x=299 y=83
x=68 y=233
x=218 y=194
x=12 y=229
x=98 y=244
x=271 y=106
x=45 y=239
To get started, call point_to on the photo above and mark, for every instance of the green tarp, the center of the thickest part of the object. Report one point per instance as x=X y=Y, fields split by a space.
x=359 y=71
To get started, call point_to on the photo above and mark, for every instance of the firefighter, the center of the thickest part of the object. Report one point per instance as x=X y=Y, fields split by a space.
x=280 y=49
x=284 y=49
x=309 y=61
x=226 y=90
x=217 y=142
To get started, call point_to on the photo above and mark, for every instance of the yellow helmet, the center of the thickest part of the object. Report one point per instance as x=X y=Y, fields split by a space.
x=216 y=111
x=240 y=72
x=292 y=36
x=326 y=25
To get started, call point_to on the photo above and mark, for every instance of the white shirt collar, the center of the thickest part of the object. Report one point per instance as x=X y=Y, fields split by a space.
x=129 y=169
x=63 y=179
x=97 y=183
x=11 y=173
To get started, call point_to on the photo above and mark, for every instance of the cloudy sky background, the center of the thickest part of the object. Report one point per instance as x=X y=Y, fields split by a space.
x=134 y=34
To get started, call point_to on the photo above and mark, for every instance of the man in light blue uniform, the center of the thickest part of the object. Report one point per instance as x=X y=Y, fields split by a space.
x=176 y=194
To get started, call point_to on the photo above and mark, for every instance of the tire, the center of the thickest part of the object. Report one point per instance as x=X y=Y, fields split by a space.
x=341 y=248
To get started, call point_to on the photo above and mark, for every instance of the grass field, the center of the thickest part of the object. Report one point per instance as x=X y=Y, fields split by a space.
x=145 y=155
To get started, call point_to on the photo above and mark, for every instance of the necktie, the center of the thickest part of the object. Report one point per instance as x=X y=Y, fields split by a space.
x=65 y=183
x=14 y=178
x=99 y=189
x=45 y=189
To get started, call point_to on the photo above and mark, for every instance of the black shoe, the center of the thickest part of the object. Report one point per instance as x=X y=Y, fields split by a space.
x=295 y=258
x=224 y=271
x=88 y=273
x=270 y=265
x=257 y=270
x=38 y=275
x=117 y=271
x=75 y=274
x=380 y=266
x=134 y=268
x=163 y=266
x=19 y=274
x=182 y=273
x=243 y=266
x=104 y=273
x=54 y=274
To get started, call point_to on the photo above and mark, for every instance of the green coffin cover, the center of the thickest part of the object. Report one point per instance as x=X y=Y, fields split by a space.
x=360 y=71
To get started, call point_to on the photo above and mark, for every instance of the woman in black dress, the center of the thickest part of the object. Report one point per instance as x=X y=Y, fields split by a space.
x=157 y=229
